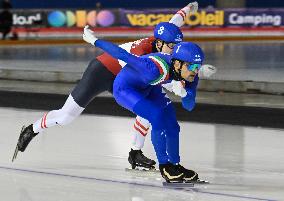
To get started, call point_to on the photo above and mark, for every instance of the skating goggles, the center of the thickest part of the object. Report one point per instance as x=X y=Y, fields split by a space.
x=193 y=67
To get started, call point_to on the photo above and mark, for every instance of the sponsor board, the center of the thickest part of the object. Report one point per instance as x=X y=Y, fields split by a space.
x=149 y=17
x=254 y=17
x=80 y=18
x=153 y=17
x=206 y=18
x=29 y=18
x=64 y=18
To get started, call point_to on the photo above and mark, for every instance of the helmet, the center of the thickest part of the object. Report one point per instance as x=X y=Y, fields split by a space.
x=188 y=52
x=168 y=32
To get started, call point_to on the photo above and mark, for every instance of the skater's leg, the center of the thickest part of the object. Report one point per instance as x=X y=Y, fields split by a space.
x=151 y=108
x=155 y=107
x=172 y=130
x=136 y=156
x=166 y=141
x=70 y=111
x=140 y=131
x=95 y=80
x=159 y=139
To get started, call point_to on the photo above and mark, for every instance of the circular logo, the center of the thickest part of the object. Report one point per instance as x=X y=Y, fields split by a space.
x=105 y=18
x=56 y=18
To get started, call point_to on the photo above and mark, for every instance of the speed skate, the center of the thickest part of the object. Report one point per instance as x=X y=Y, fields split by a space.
x=173 y=184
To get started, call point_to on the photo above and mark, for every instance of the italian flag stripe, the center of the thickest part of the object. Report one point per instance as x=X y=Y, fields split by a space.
x=158 y=65
x=163 y=68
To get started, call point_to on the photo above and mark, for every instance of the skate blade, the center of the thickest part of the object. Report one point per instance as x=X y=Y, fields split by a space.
x=141 y=169
x=17 y=148
x=15 y=153
x=199 y=181
x=178 y=184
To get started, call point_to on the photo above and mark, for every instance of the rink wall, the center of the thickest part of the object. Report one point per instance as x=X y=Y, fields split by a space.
x=203 y=113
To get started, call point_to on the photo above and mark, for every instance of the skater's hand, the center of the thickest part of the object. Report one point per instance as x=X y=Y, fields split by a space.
x=193 y=7
x=176 y=87
x=207 y=71
x=168 y=86
x=89 y=35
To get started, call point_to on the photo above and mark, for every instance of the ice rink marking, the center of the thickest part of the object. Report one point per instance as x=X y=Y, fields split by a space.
x=190 y=189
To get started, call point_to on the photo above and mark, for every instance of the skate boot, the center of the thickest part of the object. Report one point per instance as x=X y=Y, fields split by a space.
x=137 y=159
x=189 y=175
x=27 y=134
x=171 y=173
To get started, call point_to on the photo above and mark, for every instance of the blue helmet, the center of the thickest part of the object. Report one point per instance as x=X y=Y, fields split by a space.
x=168 y=32
x=188 y=52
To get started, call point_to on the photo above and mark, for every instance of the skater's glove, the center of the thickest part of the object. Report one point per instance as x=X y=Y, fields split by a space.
x=89 y=36
x=176 y=87
x=207 y=71
x=193 y=7
x=168 y=86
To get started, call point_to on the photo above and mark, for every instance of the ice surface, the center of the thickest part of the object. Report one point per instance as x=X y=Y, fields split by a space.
x=86 y=161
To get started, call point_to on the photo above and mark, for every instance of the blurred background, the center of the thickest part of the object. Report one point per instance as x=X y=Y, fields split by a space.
x=218 y=18
x=42 y=53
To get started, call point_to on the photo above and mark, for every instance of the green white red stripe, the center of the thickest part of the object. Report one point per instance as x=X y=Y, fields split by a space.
x=163 y=68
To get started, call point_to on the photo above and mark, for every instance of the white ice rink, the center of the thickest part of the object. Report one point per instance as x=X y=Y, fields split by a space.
x=86 y=161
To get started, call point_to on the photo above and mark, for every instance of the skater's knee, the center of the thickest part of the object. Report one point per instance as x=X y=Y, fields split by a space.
x=91 y=65
x=172 y=128
x=161 y=120
x=157 y=119
x=173 y=125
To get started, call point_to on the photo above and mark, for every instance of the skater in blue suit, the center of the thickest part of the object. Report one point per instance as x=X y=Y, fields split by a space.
x=138 y=88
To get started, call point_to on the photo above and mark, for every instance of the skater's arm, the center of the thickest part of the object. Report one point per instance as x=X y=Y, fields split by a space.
x=188 y=102
x=179 y=18
x=119 y=53
x=149 y=68
x=144 y=66
x=113 y=49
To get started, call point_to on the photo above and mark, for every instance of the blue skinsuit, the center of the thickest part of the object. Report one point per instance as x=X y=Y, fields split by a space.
x=137 y=89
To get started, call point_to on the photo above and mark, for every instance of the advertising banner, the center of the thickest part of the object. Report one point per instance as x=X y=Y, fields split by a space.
x=153 y=17
x=30 y=18
x=149 y=17
x=80 y=18
x=254 y=17
x=65 y=18
x=206 y=18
